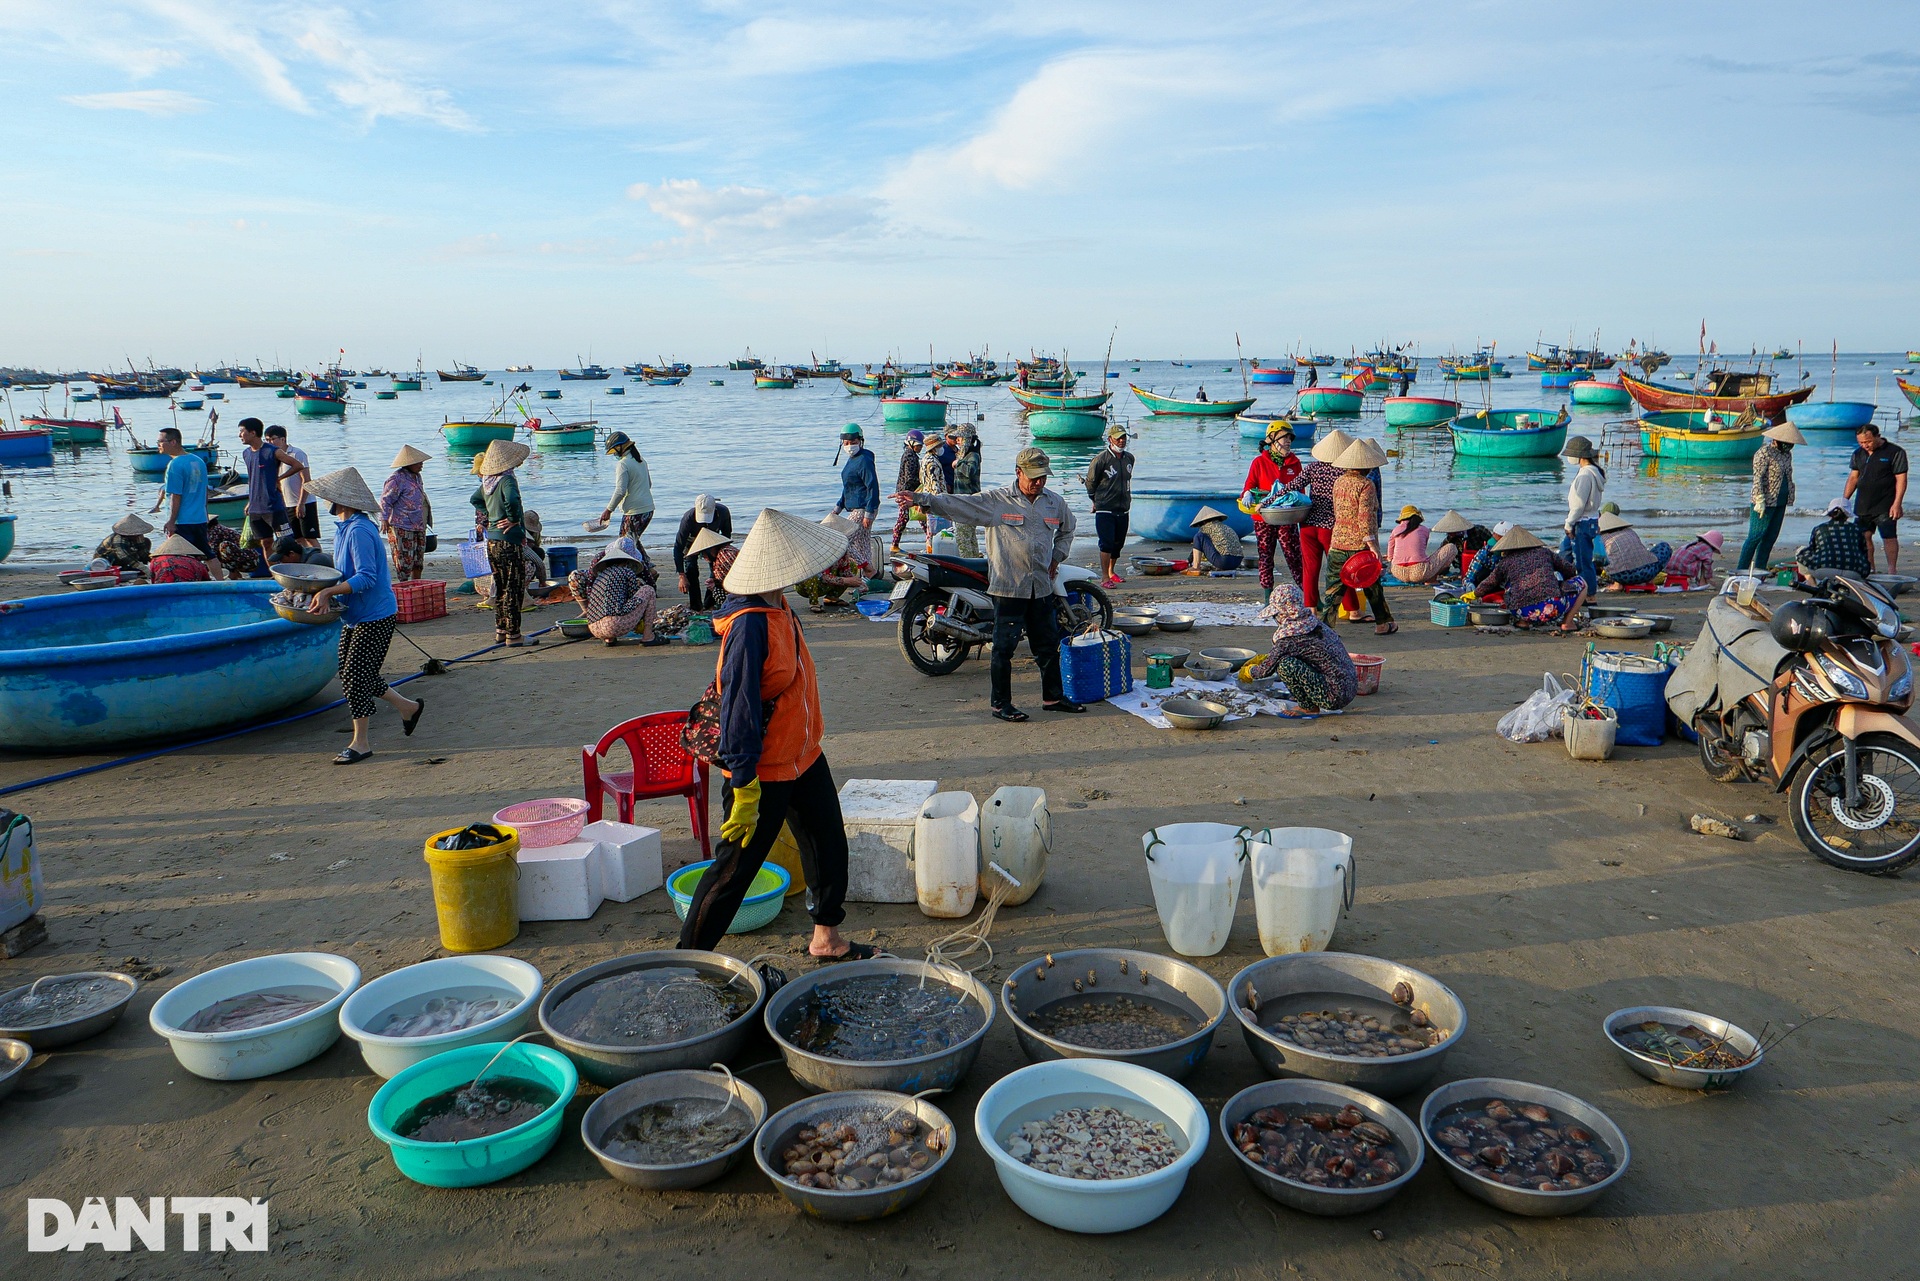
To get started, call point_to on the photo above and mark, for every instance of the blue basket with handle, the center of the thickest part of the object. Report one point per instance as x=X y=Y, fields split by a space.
x=473 y=559
x=1622 y=680
x=1095 y=666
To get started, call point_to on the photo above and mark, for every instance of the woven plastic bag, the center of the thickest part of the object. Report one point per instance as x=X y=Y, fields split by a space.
x=1537 y=719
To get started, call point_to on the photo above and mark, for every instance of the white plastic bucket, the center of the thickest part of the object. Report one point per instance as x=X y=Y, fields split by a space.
x=1016 y=829
x=946 y=854
x=1195 y=871
x=1302 y=878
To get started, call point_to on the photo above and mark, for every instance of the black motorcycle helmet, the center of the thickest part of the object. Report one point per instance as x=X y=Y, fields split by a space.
x=1801 y=625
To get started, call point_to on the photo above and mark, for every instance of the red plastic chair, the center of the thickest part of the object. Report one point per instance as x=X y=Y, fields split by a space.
x=661 y=767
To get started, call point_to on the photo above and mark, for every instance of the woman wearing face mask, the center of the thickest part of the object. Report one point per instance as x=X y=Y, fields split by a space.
x=1276 y=467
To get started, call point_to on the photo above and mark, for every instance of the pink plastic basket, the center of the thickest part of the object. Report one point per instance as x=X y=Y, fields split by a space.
x=552 y=820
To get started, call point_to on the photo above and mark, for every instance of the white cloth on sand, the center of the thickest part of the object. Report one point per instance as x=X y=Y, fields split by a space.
x=1145 y=703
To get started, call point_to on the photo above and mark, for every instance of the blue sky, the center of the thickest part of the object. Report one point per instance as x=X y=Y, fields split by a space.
x=196 y=179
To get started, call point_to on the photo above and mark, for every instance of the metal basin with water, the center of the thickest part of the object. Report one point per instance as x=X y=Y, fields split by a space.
x=613 y=1064
x=1345 y=974
x=1304 y=1197
x=609 y=1108
x=90 y=1022
x=1175 y=982
x=14 y=1057
x=938 y=1071
x=1528 y=1201
x=851 y=1207
x=1682 y=1078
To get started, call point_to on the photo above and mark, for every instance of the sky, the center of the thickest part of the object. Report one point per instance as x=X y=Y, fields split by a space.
x=196 y=181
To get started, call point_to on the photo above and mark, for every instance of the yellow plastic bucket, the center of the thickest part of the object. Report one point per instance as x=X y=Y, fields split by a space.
x=786 y=852
x=476 y=893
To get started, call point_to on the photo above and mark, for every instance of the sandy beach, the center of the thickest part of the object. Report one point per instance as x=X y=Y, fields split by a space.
x=1546 y=892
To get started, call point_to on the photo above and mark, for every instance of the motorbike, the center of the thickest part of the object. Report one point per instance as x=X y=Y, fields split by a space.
x=1829 y=724
x=946 y=614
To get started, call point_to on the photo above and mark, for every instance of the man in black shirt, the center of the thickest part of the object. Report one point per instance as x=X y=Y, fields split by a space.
x=706 y=513
x=1109 y=482
x=1877 y=483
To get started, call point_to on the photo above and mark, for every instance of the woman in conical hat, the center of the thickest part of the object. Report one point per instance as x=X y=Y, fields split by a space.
x=405 y=514
x=1356 y=524
x=767 y=740
x=1542 y=587
x=1316 y=481
x=497 y=512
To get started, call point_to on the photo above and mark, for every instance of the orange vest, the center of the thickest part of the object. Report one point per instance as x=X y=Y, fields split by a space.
x=790 y=741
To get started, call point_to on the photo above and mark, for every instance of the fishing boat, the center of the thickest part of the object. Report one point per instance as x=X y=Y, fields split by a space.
x=563 y=435
x=1065 y=424
x=1273 y=374
x=285 y=393
x=386 y=395
x=1831 y=415
x=141 y=387
x=1910 y=390
x=884 y=383
x=6 y=534
x=26 y=443
x=1059 y=399
x=1699 y=436
x=476 y=436
x=148 y=461
x=72 y=431
x=1253 y=426
x=773 y=379
x=1782 y=354
x=1562 y=379
x=264 y=378
x=912 y=411
x=1509 y=433
x=616 y=390
x=958 y=378
x=1728 y=392
x=1196 y=408
x=1337 y=402
x=225 y=374
x=549 y=393
x=586 y=373
x=190 y=404
x=1420 y=411
x=1596 y=391
x=1322 y=362
x=663 y=380
x=231 y=508
x=1166 y=515
x=1558 y=357
x=1467 y=373
x=321 y=397
x=84 y=397
x=409 y=382
x=461 y=374
x=746 y=362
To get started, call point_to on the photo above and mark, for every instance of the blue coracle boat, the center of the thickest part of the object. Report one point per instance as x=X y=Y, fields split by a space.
x=1166 y=515
x=1831 y=415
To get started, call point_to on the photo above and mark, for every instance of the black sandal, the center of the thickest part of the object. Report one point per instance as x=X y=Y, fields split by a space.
x=854 y=952
x=1064 y=705
x=420 y=706
x=1013 y=714
x=350 y=757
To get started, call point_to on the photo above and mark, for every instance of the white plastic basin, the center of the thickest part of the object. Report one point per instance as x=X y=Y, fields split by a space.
x=246 y=1053
x=413 y=986
x=1090 y=1205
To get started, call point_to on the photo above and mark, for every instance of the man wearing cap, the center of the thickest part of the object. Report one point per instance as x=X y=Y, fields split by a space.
x=184 y=490
x=1029 y=536
x=1772 y=494
x=1877 y=483
x=1109 y=482
x=859 y=481
x=1838 y=543
x=632 y=487
x=303 y=513
x=127 y=546
x=966 y=480
x=1584 y=497
x=405 y=514
x=707 y=513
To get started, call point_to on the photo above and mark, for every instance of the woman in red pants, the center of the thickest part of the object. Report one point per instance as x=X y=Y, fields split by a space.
x=1316 y=481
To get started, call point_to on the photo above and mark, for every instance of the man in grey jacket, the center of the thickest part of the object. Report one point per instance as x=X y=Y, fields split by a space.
x=1029 y=535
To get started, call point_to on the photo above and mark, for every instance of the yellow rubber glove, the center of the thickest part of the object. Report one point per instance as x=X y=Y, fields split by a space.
x=1466 y=596
x=744 y=816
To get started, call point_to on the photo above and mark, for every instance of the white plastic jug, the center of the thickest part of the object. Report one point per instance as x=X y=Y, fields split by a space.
x=1195 y=871
x=1016 y=830
x=945 y=854
x=1302 y=878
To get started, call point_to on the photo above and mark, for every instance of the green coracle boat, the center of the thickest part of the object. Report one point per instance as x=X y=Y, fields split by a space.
x=1595 y=391
x=1196 y=408
x=387 y=395
x=564 y=435
x=1683 y=436
x=1509 y=433
x=1420 y=411
x=765 y=381
x=406 y=384
x=1324 y=402
x=476 y=435
x=1059 y=400
x=963 y=380
x=912 y=411
x=231 y=508
x=1065 y=424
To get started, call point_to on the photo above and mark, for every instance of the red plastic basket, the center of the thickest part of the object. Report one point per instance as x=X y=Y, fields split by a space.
x=421 y=599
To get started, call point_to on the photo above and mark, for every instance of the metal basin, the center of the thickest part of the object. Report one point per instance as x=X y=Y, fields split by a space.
x=1230 y=654
x=938 y=1071
x=1194 y=713
x=49 y=1035
x=305 y=578
x=851 y=1207
x=609 y=1108
x=1139 y=611
x=1683 y=1078
x=1627 y=627
x=1208 y=669
x=1527 y=1201
x=1175 y=622
x=1133 y=624
x=1661 y=622
x=1190 y=988
x=612 y=1064
x=1345 y=974
x=1488 y=616
x=14 y=1057
x=1611 y=609
x=1178 y=654
x=1303 y=1196
x=1893 y=584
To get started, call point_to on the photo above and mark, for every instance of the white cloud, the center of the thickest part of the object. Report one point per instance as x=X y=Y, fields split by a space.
x=371 y=88
x=228 y=34
x=746 y=219
x=150 y=102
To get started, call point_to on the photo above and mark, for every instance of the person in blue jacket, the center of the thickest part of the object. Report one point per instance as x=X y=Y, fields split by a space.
x=370 y=611
x=859 y=492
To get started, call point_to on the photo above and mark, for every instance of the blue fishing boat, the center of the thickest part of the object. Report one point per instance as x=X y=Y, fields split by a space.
x=1253 y=426
x=154 y=661
x=148 y=461
x=1281 y=375
x=1166 y=515
x=1059 y=399
x=1831 y=415
x=28 y=444
x=549 y=393
x=663 y=380
x=586 y=373
x=1509 y=433
x=1561 y=379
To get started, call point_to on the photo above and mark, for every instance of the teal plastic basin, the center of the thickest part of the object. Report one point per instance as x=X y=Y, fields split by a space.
x=760 y=906
x=474 y=1161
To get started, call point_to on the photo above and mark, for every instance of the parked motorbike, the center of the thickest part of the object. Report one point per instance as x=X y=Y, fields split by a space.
x=1829 y=724
x=946 y=614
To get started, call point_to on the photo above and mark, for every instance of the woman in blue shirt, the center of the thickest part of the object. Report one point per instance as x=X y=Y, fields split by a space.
x=370 y=612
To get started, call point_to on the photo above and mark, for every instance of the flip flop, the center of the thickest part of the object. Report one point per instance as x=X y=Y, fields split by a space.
x=1012 y=714
x=854 y=952
x=655 y=642
x=1063 y=706
x=420 y=706
x=350 y=757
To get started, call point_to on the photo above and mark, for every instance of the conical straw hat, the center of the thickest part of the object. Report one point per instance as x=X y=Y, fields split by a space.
x=1331 y=445
x=1517 y=540
x=345 y=488
x=1452 y=523
x=502 y=456
x=782 y=550
x=178 y=546
x=1361 y=455
x=707 y=540
x=1610 y=521
x=1786 y=434
x=131 y=524
x=408 y=456
x=1206 y=514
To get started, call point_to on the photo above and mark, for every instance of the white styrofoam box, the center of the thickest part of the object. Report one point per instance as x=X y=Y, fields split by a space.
x=629 y=858
x=560 y=882
x=879 y=814
x=20 y=892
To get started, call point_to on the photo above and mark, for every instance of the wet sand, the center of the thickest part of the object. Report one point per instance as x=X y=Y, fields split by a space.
x=1545 y=892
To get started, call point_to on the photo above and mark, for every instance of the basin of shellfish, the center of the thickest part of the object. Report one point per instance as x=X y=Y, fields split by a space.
x=1112 y=1003
x=1525 y=1148
x=673 y=1130
x=1294 y=1139
x=855 y=1155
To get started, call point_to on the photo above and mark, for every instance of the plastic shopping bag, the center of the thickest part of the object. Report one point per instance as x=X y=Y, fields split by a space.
x=1537 y=719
